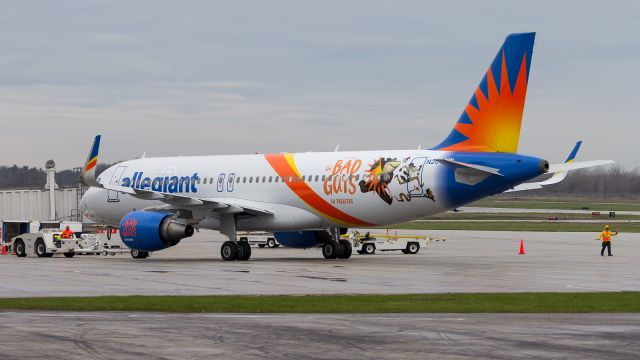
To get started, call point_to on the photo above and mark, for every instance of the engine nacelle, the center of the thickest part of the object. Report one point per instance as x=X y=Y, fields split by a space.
x=152 y=231
x=302 y=239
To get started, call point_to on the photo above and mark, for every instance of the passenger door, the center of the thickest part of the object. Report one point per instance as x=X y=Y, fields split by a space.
x=112 y=196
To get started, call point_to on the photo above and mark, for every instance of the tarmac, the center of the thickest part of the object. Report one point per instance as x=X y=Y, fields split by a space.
x=69 y=336
x=468 y=261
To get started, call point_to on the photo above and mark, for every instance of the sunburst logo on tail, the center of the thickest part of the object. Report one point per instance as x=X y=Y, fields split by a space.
x=492 y=119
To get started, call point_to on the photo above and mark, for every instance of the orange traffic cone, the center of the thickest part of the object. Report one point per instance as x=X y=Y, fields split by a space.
x=4 y=249
x=521 y=247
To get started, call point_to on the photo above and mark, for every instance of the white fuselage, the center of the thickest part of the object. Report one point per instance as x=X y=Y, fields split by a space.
x=303 y=190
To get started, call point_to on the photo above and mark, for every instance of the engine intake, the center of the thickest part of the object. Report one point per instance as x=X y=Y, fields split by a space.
x=152 y=231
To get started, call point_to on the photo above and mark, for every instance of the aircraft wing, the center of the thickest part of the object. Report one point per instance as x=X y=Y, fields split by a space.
x=560 y=171
x=173 y=201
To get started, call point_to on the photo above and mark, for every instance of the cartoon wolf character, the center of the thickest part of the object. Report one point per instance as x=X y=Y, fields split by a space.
x=409 y=173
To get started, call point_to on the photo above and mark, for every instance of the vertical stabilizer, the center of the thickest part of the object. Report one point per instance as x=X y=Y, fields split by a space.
x=89 y=170
x=491 y=120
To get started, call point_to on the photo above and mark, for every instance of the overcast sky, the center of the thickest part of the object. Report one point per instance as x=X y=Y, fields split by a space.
x=226 y=77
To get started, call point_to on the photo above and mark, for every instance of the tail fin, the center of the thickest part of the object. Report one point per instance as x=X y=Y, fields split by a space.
x=89 y=170
x=492 y=118
x=574 y=152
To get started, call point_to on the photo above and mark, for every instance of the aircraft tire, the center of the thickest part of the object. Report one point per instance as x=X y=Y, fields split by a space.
x=229 y=251
x=20 y=249
x=244 y=251
x=41 y=248
x=261 y=245
x=69 y=254
x=369 y=248
x=347 y=249
x=137 y=254
x=271 y=242
x=330 y=249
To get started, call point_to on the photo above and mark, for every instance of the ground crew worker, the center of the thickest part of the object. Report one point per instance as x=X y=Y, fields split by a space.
x=606 y=235
x=67 y=233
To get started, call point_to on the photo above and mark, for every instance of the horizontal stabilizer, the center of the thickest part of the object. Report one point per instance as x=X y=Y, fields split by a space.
x=578 y=165
x=481 y=168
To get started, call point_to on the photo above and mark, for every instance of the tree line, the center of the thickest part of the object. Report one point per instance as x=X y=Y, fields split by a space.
x=611 y=182
x=24 y=177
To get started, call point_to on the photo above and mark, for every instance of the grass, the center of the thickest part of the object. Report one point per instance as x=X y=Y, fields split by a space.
x=555 y=203
x=421 y=303
x=462 y=215
x=547 y=226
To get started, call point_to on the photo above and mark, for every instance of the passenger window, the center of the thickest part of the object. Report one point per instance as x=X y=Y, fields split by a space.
x=324 y=177
x=270 y=178
x=317 y=176
x=250 y=179
x=204 y=181
x=277 y=178
x=264 y=179
x=357 y=177
x=244 y=179
x=238 y=180
x=303 y=178
x=211 y=181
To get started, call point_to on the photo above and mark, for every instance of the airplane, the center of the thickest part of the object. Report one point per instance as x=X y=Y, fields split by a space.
x=310 y=199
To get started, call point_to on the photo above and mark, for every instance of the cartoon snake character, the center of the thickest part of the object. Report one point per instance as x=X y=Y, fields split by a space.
x=379 y=177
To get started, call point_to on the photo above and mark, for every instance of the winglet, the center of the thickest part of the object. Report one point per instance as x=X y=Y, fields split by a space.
x=89 y=170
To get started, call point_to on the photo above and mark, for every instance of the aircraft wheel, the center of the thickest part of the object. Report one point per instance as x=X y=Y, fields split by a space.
x=244 y=251
x=330 y=250
x=137 y=254
x=41 y=248
x=20 y=249
x=69 y=254
x=229 y=251
x=271 y=242
x=369 y=248
x=261 y=245
x=347 y=249
x=48 y=255
x=413 y=248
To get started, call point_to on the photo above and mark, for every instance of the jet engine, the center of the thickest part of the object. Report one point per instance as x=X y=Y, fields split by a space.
x=152 y=231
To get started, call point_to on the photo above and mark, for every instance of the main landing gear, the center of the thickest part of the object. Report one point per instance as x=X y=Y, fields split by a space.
x=233 y=249
x=337 y=248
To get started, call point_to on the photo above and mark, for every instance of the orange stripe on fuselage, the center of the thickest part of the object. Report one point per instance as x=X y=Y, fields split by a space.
x=285 y=166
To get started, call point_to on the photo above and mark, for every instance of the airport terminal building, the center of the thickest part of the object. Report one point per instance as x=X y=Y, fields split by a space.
x=26 y=210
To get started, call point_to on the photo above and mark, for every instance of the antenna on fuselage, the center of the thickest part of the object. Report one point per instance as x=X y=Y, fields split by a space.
x=337 y=148
x=420 y=147
x=144 y=155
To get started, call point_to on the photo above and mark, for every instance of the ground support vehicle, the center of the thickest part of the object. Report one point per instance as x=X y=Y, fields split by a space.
x=260 y=239
x=367 y=244
x=48 y=242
